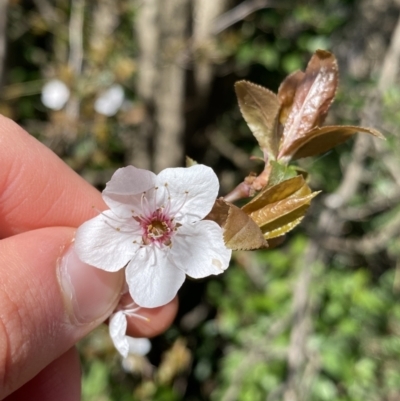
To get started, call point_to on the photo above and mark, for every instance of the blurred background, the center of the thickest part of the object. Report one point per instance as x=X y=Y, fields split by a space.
x=109 y=83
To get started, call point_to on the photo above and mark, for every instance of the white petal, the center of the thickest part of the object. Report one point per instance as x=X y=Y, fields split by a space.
x=200 y=250
x=139 y=346
x=152 y=279
x=123 y=192
x=106 y=242
x=117 y=329
x=193 y=191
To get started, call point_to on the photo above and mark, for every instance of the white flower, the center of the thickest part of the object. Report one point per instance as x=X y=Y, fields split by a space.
x=154 y=229
x=55 y=94
x=110 y=101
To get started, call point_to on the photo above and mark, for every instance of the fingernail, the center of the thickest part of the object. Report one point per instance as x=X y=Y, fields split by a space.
x=90 y=294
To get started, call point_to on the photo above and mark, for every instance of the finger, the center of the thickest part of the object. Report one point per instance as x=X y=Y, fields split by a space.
x=37 y=189
x=48 y=301
x=61 y=381
x=157 y=320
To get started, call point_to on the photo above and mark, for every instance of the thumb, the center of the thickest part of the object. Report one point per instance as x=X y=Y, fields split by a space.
x=49 y=300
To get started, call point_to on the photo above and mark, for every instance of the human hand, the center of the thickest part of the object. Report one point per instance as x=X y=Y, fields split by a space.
x=49 y=300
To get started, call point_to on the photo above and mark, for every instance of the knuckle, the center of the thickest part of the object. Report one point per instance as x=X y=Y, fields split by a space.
x=11 y=343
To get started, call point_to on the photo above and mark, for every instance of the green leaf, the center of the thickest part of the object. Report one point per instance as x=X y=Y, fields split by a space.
x=280 y=172
x=260 y=108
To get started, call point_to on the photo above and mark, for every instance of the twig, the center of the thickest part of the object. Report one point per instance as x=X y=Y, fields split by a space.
x=169 y=100
x=253 y=268
x=378 y=205
x=3 y=25
x=391 y=62
x=367 y=245
x=257 y=352
x=301 y=323
x=47 y=12
x=227 y=149
x=241 y=11
x=389 y=73
x=75 y=58
x=76 y=36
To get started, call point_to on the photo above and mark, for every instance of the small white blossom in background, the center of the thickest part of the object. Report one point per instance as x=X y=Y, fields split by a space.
x=110 y=101
x=55 y=94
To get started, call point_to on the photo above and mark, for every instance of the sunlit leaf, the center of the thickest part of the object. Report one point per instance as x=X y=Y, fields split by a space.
x=278 y=209
x=275 y=193
x=272 y=213
x=282 y=228
x=239 y=230
x=282 y=216
x=260 y=108
x=286 y=93
x=321 y=139
x=312 y=99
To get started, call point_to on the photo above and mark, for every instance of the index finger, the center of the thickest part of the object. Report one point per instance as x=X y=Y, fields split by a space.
x=37 y=189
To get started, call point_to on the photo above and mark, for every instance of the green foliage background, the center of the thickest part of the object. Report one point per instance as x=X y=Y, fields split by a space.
x=234 y=336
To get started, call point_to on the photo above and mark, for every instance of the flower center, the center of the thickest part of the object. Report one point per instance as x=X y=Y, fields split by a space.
x=157 y=228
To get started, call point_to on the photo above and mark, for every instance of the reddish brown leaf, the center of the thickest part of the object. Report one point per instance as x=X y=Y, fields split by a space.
x=313 y=97
x=286 y=93
x=321 y=139
x=239 y=230
x=260 y=108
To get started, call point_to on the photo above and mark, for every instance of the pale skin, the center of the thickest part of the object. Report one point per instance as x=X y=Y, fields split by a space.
x=42 y=202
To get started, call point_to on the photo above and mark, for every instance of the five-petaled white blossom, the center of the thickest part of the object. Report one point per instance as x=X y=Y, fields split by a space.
x=154 y=228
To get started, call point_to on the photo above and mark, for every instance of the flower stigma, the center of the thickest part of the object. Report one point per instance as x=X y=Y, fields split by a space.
x=157 y=228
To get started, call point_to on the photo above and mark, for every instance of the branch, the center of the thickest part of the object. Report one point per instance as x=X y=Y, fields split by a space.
x=378 y=205
x=391 y=62
x=241 y=11
x=369 y=244
x=47 y=11
x=301 y=326
x=75 y=58
x=3 y=39
x=76 y=36
x=259 y=351
x=227 y=149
